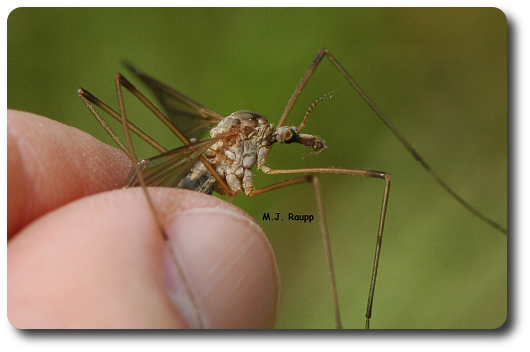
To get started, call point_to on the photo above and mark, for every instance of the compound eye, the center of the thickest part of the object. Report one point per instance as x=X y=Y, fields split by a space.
x=290 y=136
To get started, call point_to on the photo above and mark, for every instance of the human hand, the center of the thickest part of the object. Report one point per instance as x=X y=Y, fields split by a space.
x=82 y=256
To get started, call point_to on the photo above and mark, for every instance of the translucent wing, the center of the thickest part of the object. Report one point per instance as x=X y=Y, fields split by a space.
x=167 y=169
x=190 y=117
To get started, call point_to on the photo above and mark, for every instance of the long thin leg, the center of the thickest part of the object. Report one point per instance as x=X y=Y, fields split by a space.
x=327 y=246
x=324 y=229
x=408 y=146
x=120 y=80
x=325 y=235
x=89 y=99
x=123 y=81
x=158 y=221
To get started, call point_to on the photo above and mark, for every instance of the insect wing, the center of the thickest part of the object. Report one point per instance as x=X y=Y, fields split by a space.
x=169 y=168
x=190 y=117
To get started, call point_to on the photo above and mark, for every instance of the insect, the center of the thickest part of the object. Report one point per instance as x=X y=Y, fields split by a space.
x=240 y=141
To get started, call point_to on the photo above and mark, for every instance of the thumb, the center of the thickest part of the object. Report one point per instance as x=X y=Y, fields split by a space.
x=227 y=262
x=100 y=262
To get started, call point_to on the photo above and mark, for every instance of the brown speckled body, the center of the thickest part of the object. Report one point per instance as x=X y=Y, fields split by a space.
x=234 y=156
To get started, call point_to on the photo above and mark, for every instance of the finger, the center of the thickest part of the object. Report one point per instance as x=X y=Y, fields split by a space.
x=51 y=164
x=99 y=262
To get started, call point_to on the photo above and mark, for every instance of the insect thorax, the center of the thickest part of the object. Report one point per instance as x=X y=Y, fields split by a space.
x=248 y=141
x=234 y=156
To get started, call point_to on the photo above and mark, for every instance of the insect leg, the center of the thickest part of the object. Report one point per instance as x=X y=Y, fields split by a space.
x=121 y=80
x=158 y=221
x=89 y=99
x=312 y=177
x=324 y=229
x=323 y=52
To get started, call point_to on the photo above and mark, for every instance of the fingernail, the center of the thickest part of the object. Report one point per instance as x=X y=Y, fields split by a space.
x=228 y=274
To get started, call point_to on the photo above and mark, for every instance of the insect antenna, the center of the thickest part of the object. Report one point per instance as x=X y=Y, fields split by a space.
x=327 y=96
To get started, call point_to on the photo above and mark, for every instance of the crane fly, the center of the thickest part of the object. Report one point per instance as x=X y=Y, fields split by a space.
x=239 y=142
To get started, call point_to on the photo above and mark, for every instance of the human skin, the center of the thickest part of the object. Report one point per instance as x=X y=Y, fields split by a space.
x=83 y=253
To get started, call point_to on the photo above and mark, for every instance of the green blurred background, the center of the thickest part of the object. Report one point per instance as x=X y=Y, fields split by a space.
x=439 y=74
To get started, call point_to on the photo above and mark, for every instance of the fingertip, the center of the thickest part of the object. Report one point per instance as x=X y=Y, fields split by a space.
x=229 y=267
x=94 y=263
x=51 y=164
x=100 y=262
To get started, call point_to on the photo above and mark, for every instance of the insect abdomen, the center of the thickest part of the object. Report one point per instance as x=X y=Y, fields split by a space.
x=199 y=179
